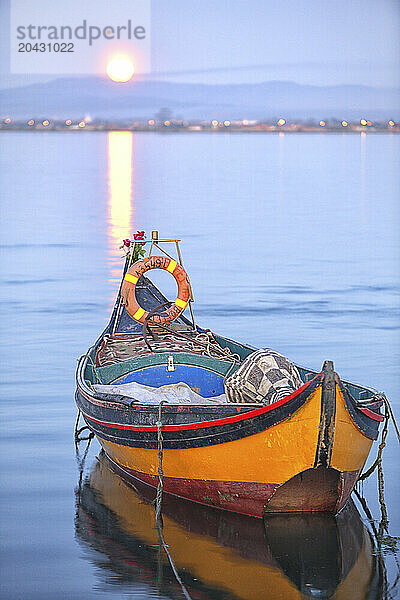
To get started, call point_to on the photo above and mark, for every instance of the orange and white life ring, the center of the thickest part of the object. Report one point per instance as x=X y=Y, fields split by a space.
x=132 y=277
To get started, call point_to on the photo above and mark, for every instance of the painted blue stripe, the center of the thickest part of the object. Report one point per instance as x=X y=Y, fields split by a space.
x=205 y=382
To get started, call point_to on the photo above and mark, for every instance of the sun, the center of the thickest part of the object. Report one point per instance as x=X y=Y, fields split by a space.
x=120 y=69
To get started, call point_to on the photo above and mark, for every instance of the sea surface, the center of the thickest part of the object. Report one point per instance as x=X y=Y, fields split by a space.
x=291 y=242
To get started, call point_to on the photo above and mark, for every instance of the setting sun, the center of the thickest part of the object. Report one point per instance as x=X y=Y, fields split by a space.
x=120 y=69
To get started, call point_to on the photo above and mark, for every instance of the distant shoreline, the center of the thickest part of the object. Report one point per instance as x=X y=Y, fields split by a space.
x=201 y=128
x=186 y=131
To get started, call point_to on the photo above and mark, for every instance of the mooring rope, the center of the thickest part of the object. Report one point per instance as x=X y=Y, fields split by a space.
x=160 y=485
x=383 y=527
x=384 y=523
x=77 y=432
x=382 y=396
x=158 y=502
x=81 y=458
x=376 y=537
x=378 y=459
x=377 y=533
x=78 y=416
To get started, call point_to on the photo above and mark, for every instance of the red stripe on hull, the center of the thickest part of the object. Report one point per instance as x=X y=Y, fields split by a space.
x=371 y=414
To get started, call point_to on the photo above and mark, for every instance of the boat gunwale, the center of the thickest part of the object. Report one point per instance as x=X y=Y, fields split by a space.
x=81 y=383
x=202 y=433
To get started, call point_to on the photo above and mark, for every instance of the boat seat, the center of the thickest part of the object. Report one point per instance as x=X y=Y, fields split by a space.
x=204 y=374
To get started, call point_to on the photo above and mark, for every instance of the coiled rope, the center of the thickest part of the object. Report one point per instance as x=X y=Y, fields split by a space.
x=203 y=339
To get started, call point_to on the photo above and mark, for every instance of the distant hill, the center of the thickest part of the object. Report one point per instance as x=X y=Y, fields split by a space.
x=76 y=97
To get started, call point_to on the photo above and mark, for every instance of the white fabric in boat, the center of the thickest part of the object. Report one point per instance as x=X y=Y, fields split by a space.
x=176 y=393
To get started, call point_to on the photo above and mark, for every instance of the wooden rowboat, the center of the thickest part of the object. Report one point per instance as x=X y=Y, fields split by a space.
x=303 y=452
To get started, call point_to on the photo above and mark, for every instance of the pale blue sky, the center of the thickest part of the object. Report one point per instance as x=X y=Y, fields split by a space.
x=321 y=42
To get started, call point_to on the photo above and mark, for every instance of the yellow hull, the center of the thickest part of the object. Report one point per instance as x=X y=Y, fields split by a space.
x=274 y=455
x=350 y=447
x=278 y=465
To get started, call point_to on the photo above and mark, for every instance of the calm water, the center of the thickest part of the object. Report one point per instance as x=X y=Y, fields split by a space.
x=291 y=242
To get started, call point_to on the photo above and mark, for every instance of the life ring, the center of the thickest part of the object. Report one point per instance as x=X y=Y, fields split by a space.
x=132 y=277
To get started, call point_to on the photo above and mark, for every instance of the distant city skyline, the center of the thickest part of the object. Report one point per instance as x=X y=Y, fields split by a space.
x=317 y=42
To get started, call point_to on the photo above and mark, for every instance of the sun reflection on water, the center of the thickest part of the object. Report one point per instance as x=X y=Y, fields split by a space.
x=120 y=197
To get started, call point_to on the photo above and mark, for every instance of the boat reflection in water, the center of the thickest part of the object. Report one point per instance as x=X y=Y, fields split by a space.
x=219 y=554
